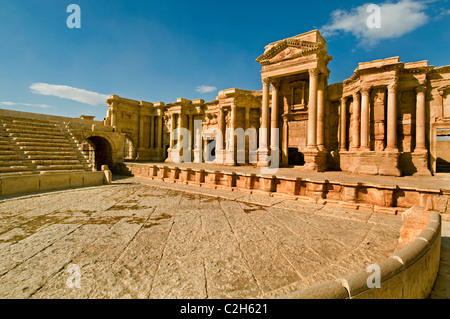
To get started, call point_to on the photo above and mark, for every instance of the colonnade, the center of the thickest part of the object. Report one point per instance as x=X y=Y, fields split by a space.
x=360 y=132
x=316 y=118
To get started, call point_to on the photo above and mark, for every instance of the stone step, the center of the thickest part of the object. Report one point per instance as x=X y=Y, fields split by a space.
x=59 y=167
x=7 y=152
x=49 y=151
x=11 y=163
x=19 y=173
x=34 y=123
x=6 y=147
x=44 y=144
x=62 y=171
x=14 y=169
x=38 y=135
x=55 y=162
x=9 y=157
x=51 y=157
x=31 y=130
x=51 y=140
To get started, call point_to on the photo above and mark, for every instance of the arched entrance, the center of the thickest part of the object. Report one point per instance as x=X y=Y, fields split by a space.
x=99 y=151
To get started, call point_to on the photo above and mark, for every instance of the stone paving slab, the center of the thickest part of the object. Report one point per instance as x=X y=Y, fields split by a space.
x=139 y=238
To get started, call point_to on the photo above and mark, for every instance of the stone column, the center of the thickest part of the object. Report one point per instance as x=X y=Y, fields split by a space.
x=365 y=119
x=343 y=138
x=171 y=150
x=392 y=118
x=420 y=154
x=141 y=131
x=312 y=109
x=247 y=138
x=181 y=124
x=420 y=119
x=220 y=138
x=173 y=126
x=285 y=145
x=263 y=132
x=321 y=112
x=356 y=120
x=152 y=131
x=160 y=129
x=191 y=135
x=113 y=115
x=231 y=154
x=274 y=138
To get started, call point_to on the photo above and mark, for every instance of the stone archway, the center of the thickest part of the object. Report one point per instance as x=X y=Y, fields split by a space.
x=99 y=151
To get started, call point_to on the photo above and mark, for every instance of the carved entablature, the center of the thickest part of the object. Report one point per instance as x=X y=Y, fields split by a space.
x=350 y=87
x=295 y=55
x=288 y=49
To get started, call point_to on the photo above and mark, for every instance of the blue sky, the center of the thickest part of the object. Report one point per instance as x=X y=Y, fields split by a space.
x=163 y=50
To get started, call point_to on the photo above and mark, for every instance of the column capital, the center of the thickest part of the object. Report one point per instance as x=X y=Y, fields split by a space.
x=365 y=90
x=356 y=95
x=276 y=85
x=313 y=72
x=344 y=99
x=421 y=89
x=265 y=81
x=392 y=87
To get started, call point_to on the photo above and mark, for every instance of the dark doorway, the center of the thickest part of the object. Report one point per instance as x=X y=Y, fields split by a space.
x=100 y=152
x=295 y=157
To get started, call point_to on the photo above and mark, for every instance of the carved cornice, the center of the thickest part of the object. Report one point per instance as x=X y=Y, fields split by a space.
x=442 y=89
x=306 y=48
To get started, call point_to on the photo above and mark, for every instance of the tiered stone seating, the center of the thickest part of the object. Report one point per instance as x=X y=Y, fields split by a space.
x=42 y=144
x=10 y=161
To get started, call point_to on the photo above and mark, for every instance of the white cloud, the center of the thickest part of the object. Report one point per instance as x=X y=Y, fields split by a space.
x=44 y=106
x=205 y=89
x=68 y=92
x=397 y=19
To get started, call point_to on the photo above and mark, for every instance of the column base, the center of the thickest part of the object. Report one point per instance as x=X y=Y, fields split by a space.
x=241 y=158
x=391 y=149
x=173 y=156
x=230 y=159
x=197 y=156
x=143 y=154
x=156 y=154
x=420 y=162
x=169 y=156
x=371 y=163
x=315 y=160
x=263 y=157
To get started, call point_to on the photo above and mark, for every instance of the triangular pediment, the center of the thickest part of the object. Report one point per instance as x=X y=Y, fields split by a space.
x=288 y=49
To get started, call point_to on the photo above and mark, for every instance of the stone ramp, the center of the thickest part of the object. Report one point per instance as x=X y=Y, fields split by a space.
x=31 y=146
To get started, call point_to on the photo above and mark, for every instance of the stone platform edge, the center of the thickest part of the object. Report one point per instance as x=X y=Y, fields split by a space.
x=22 y=184
x=407 y=274
x=390 y=199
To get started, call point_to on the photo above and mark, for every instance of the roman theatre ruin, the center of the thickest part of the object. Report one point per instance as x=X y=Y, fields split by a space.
x=375 y=143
